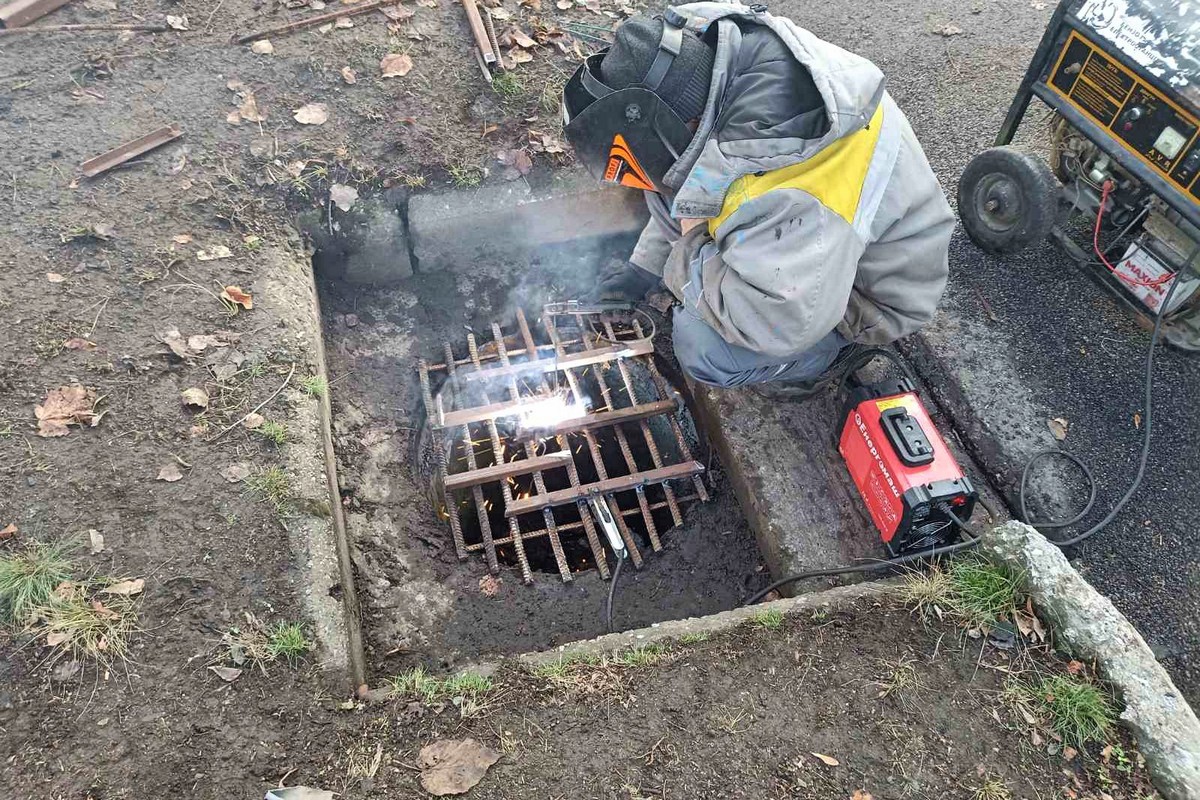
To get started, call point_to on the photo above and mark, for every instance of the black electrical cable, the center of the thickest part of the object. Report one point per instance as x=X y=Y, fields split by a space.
x=612 y=590
x=968 y=531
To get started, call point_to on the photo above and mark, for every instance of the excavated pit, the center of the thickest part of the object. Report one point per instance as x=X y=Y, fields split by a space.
x=424 y=604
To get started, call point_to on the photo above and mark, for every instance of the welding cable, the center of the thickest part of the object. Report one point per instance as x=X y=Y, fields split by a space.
x=612 y=591
x=1142 y=459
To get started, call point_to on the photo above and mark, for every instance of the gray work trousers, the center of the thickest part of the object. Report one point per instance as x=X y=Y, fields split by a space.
x=708 y=358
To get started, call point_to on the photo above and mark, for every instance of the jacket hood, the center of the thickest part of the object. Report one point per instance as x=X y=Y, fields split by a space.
x=756 y=117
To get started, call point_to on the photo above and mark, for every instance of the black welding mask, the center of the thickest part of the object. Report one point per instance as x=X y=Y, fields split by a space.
x=628 y=137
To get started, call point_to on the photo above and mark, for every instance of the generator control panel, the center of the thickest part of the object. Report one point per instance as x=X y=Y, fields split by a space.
x=1153 y=127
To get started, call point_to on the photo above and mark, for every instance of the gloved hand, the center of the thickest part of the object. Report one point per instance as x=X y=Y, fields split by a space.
x=626 y=282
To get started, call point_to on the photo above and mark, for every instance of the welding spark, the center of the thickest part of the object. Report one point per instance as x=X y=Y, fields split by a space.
x=550 y=412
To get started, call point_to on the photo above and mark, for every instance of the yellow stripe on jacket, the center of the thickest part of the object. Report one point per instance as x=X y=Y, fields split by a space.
x=834 y=176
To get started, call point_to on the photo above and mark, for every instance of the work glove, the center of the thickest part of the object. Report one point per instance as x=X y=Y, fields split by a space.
x=626 y=282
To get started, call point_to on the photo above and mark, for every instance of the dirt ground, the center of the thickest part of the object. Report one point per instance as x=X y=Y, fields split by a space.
x=96 y=273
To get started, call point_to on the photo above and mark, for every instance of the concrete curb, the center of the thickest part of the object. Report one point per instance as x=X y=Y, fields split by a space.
x=830 y=599
x=316 y=534
x=1166 y=728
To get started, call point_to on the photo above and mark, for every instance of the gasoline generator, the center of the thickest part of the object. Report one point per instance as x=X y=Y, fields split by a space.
x=1120 y=189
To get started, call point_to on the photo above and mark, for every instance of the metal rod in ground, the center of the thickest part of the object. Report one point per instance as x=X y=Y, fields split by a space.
x=439 y=460
x=574 y=526
x=622 y=440
x=564 y=444
x=593 y=446
x=660 y=384
x=621 y=484
x=485 y=525
x=539 y=482
x=514 y=528
x=647 y=434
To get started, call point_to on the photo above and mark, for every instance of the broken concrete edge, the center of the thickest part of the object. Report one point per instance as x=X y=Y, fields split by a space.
x=316 y=530
x=835 y=599
x=1093 y=630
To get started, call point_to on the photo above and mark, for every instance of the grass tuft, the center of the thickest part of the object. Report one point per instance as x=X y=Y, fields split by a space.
x=771 y=619
x=275 y=432
x=992 y=789
x=85 y=626
x=970 y=587
x=315 y=385
x=28 y=579
x=645 y=656
x=272 y=485
x=465 y=176
x=507 y=85
x=287 y=640
x=467 y=690
x=1078 y=711
x=695 y=638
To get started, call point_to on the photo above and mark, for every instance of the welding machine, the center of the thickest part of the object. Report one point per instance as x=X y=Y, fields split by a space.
x=1122 y=80
x=911 y=484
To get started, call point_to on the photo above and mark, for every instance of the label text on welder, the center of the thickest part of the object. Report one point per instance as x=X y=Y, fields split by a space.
x=887 y=475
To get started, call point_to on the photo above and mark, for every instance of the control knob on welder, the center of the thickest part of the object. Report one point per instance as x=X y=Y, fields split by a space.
x=1133 y=115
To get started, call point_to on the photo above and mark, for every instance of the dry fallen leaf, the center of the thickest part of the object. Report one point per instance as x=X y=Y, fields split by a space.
x=79 y=344
x=65 y=406
x=181 y=238
x=343 y=22
x=169 y=473
x=233 y=118
x=55 y=638
x=195 y=398
x=126 y=588
x=1137 y=421
x=861 y=794
x=949 y=30
x=227 y=674
x=1074 y=667
x=520 y=56
x=202 y=341
x=248 y=110
x=1069 y=753
x=54 y=277
x=236 y=473
x=178 y=22
x=236 y=297
x=563 y=5
x=349 y=76
x=311 y=114
x=343 y=196
x=828 y=761
x=97 y=541
x=500 y=12
x=213 y=253
x=1058 y=427
x=395 y=65
x=254 y=420
x=9 y=531
x=262 y=47
x=174 y=340
x=452 y=766
x=398 y=13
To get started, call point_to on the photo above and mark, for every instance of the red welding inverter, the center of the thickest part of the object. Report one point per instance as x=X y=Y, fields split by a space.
x=902 y=467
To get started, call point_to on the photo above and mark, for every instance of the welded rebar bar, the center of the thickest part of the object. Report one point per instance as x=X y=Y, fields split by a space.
x=440 y=458
x=485 y=525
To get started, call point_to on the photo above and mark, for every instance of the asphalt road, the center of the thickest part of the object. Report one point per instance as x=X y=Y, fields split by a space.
x=1031 y=337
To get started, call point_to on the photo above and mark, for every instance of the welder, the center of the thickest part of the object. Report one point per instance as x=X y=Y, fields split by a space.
x=794 y=216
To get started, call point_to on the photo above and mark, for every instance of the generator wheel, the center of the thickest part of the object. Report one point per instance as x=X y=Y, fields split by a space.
x=1007 y=200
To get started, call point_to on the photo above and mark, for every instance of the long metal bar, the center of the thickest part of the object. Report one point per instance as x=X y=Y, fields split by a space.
x=487 y=357
x=635 y=554
x=23 y=12
x=475 y=21
x=539 y=482
x=647 y=435
x=481 y=511
x=119 y=155
x=566 y=527
x=514 y=528
x=660 y=384
x=503 y=470
x=440 y=457
x=491 y=411
x=589 y=528
x=586 y=358
x=622 y=440
x=621 y=484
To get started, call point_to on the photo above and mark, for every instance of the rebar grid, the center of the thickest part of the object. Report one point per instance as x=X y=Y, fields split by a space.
x=532 y=476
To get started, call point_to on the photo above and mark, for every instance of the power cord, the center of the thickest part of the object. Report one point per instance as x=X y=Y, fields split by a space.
x=612 y=591
x=972 y=535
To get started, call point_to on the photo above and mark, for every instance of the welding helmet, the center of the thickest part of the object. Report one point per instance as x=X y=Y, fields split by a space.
x=631 y=136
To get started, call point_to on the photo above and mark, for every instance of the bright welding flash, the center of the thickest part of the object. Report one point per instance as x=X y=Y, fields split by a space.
x=551 y=411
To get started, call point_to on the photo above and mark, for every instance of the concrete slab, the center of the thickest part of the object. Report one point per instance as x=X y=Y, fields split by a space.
x=455 y=230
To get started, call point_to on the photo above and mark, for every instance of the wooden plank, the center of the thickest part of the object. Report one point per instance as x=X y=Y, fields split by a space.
x=479 y=31
x=508 y=469
x=603 y=419
x=119 y=155
x=23 y=12
x=622 y=484
x=638 y=347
